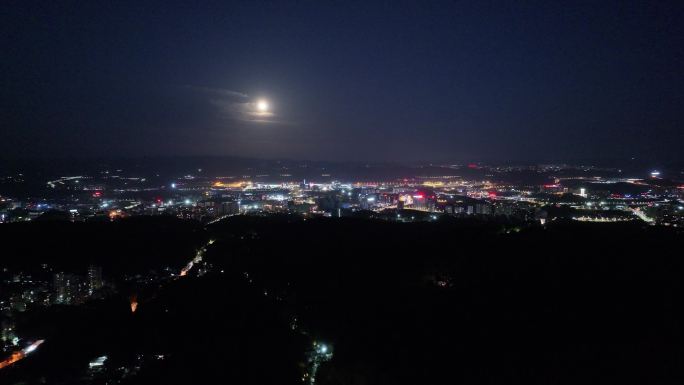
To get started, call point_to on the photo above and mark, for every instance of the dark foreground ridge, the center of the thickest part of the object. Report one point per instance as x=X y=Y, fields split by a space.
x=284 y=300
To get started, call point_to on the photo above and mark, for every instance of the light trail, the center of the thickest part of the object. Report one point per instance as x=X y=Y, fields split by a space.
x=20 y=354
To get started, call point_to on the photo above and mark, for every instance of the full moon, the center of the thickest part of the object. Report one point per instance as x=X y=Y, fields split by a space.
x=262 y=105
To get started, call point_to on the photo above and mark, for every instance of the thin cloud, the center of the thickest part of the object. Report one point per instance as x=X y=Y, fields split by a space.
x=220 y=92
x=235 y=105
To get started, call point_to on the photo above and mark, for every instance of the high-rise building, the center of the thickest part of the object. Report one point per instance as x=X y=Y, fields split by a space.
x=65 y=288
x=228 y=208
x=59 y=288
x=94 y=279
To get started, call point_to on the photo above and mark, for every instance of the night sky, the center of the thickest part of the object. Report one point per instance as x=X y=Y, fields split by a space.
x=383 y=81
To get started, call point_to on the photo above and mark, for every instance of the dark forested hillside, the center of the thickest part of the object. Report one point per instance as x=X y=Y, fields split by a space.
x=443 y=302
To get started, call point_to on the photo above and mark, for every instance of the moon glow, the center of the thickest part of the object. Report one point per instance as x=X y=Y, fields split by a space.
x=262 y=106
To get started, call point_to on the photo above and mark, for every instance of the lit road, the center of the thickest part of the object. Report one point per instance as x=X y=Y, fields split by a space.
x=642 y=215
x=197 y=259
x=219 y=219
x=20 y=354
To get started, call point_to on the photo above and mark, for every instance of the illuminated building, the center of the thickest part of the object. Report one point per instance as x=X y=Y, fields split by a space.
x=94 y=279
x=8 y=334
x=65 y=288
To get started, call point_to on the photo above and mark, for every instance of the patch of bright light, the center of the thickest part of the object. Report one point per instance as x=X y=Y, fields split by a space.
x=262 y=105
x=99 y=361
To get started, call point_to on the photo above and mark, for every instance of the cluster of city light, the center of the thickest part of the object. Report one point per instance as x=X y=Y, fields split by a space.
x=321 y=352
